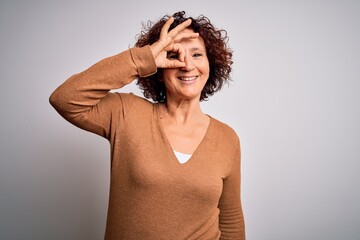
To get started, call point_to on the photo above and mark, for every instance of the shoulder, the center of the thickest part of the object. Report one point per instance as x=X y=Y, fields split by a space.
x=125 y=102
x=225 y=133
x=225 y=144
x=131 y=99
x=133 y=105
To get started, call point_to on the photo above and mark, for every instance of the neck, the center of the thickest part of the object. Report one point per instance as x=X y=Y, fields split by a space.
x=183 y=111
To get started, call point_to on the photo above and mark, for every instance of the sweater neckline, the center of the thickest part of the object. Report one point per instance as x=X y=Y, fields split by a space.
x=169 y=150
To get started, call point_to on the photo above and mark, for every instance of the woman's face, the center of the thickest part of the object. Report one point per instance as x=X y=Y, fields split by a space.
x=186 y=83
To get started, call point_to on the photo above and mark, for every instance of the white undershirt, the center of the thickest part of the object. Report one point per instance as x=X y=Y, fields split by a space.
x=182 y=157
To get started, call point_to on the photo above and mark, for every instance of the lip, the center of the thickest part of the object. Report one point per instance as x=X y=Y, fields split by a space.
x=187 y=79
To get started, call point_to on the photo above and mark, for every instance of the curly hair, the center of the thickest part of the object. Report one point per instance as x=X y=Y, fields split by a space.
x=219 y=55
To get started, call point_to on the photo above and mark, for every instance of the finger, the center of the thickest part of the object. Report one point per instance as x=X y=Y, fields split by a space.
x=165 y=28
x=183 y=36
x=181 y=52
x=174 y=32
x=177 y=64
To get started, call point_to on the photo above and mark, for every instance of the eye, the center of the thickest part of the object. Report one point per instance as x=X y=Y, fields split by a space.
x=196 y=55
x=172 y=55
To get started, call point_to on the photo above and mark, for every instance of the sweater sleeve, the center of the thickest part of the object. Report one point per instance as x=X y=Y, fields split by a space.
x=85 y=99
x=232 y=225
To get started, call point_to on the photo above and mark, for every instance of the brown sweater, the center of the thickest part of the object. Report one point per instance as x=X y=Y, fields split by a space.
x=152 y=195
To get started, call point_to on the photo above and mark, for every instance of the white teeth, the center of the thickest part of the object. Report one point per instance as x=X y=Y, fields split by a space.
x=187 y=78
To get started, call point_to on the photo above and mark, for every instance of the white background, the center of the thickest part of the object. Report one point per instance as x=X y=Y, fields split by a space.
x=294 y=102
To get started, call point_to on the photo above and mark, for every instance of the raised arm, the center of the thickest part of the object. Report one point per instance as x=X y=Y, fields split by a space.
x=84 y=99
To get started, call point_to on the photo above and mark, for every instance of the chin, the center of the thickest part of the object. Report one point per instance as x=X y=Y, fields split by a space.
x=189 y=96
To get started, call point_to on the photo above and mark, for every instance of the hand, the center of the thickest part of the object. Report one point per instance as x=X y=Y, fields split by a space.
x=170 y=42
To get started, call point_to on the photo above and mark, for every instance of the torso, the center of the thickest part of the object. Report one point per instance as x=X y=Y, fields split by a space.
x=149 y=187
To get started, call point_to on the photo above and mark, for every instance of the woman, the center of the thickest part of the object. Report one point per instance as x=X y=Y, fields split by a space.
x=175 y=171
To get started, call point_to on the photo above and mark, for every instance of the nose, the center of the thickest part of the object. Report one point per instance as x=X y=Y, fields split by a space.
x=189 y=64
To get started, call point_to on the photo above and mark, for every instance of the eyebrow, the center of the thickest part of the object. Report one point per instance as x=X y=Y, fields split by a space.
x=197 y=48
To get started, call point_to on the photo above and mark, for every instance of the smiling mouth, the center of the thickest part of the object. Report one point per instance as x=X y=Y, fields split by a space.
x=188 y=79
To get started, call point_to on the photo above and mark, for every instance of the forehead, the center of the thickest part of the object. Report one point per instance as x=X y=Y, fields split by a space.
x=194 y=42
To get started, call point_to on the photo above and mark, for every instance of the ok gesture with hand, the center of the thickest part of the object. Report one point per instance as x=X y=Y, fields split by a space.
x=169 y=41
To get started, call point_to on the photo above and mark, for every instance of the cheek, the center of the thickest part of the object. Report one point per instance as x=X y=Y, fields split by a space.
x=167 y=74
x=205 y=65
x=205 y=68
